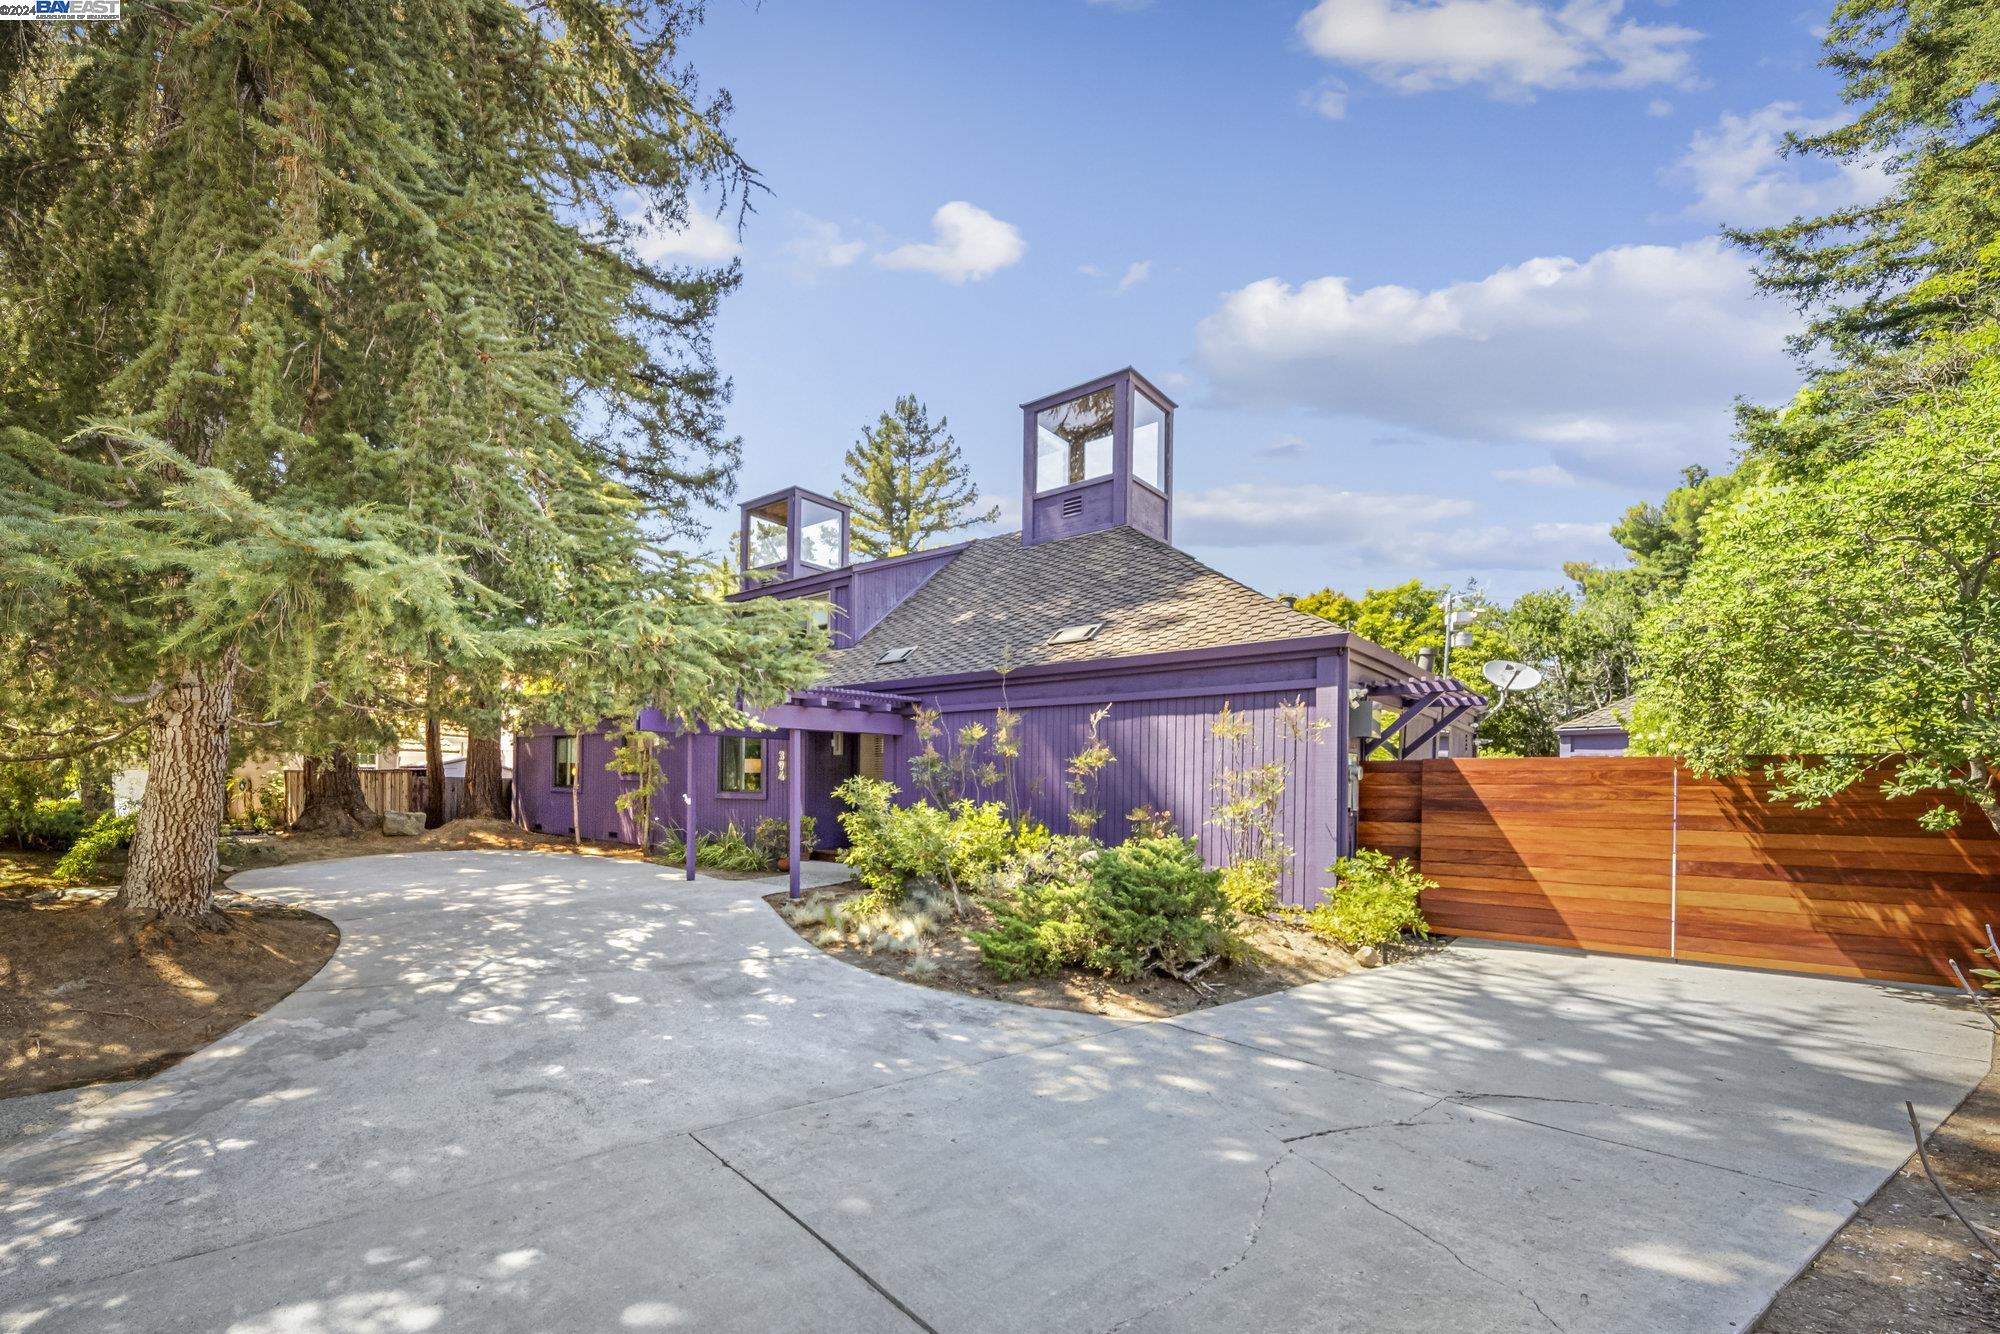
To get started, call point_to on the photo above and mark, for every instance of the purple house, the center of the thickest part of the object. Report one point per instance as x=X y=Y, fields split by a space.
x=1604 y=731
x=1090 y=605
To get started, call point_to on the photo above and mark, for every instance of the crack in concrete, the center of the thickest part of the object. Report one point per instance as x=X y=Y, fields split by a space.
x=1441 y=1244
x=1249 y=1244
x=1409 y=1120
x=815 y=1234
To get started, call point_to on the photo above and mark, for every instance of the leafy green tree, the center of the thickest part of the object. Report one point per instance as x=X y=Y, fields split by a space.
x=1841 y=602
x=908 y=483
x=358 y=376
x=1852 y=615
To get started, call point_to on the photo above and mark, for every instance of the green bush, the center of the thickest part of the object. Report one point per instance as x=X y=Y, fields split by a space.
x=1251 y=887
x=730 y=851
x=774 y=835
x=51 y=824
x=1373 y=902
x=1149 y=903
x=106 y=835
x=1159 y=907
x=889 y=846
x=1044 y=913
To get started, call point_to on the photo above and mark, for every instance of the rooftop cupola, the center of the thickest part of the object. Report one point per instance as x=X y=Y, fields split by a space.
x=1098 y=456
x=791 y=533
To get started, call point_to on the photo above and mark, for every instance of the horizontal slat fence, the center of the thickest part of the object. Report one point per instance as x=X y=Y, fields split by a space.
x=1636 y=855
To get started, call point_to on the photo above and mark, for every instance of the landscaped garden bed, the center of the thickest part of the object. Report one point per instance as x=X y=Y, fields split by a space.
x=90 y=993
x=1276 y=954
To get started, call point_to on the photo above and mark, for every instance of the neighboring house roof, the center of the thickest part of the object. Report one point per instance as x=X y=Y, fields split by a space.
x=999 y=601
x=1615 y=716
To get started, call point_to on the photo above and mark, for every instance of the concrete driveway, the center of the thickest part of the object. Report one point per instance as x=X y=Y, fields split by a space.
x=544 y=1092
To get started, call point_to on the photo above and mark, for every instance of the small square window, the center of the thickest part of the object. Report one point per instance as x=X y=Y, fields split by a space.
x=896 y=655
x=1076 y=634
x=740 y=764
x=563 y=772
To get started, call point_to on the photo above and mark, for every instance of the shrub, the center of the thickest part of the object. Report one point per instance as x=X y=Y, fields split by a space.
x=1158 y=907
x=1251 y=887
x=1043 y=908
x=1373 y=902
x=106 y=835
x=890 y=846
x=729 y=851
x=773 y=836
x=51 y=824
x=1149 y=903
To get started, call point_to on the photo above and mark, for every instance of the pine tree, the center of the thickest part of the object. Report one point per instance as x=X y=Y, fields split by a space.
x=908 y=483
x=331 y=361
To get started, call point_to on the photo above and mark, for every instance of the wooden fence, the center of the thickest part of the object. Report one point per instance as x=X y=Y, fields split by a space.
x=1637 y=855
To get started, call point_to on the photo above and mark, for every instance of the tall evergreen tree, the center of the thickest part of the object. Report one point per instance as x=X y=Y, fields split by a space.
x=908 y=483
x=331 y=359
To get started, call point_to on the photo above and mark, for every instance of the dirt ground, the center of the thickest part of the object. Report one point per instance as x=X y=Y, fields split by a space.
x=89 y=995
x=1284 y=956
x=1903 y=1263
x=25 y=873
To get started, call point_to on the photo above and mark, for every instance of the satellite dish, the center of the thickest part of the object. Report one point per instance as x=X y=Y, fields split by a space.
x=1510 y=676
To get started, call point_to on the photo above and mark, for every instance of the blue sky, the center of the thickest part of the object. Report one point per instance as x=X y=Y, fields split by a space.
x=1436 y=285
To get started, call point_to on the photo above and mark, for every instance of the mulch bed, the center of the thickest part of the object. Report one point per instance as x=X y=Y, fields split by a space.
x=1904 y=1263
x=89 y=993
x=1284 y=956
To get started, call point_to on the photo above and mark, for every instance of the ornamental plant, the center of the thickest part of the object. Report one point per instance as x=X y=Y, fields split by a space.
x=1373 y=902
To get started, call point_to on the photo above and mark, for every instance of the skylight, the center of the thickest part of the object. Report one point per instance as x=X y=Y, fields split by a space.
x=896 y=655
x=1076 y=634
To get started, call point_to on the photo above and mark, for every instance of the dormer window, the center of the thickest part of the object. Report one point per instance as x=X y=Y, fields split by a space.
x=1073 y=440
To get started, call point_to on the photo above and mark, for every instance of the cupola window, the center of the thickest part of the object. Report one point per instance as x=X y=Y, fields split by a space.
x=1073 y=439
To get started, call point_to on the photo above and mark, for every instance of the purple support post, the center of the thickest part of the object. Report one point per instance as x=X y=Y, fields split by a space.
x=687 y=800
x=795 y=802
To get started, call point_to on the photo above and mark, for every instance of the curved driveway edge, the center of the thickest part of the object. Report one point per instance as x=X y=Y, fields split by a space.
x=535 y=1091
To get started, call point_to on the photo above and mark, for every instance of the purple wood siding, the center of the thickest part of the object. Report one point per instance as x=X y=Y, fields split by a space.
x=877 y=592
x=1609 y=741
x=1167 y=759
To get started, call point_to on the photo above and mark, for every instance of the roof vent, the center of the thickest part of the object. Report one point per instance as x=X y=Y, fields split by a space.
x=896 y=655
x=1072 y=506
x=1076 y=634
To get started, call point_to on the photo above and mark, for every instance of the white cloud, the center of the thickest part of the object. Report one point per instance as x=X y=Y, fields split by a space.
x=1513 y=48
x=1402 y=530
x=1135 y=273
x=1286 y=446
x=1625 y=363
x=968 y=244
x=704 y=239
x=1090 y=270
x=1546 y=474
x=1741 y=178
x=1328 y=98
x=1658 y=107
x=819 y=244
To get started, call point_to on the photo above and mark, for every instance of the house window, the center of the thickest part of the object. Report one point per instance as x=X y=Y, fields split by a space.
x=768 y=530
x=1149 y=441
x=563 y=773
x=1073 y=440
x=740 y=767
x=819 y=535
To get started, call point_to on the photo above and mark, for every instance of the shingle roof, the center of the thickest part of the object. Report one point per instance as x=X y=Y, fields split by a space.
x=1618 y=713
x=999 y=601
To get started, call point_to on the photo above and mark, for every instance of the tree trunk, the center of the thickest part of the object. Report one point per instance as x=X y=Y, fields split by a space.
x=481 y=799
x=334 y=802
x=173 y=865
x=433 y=769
